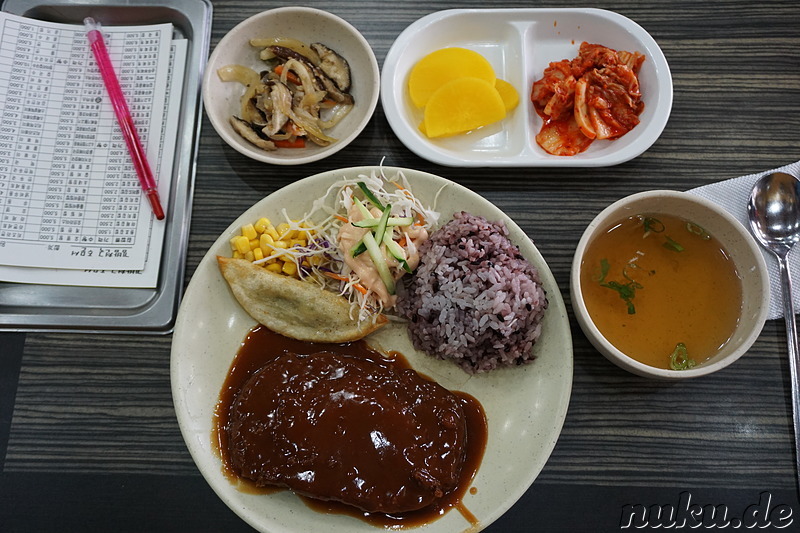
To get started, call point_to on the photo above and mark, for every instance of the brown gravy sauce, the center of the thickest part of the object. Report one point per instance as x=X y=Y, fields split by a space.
x=262 y=346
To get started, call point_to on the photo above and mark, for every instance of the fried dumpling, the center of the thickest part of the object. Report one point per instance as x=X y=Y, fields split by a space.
x=294 y=308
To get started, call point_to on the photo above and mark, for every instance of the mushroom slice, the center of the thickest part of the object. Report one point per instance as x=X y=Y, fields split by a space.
x=336 y=95
x=245 y=129
x=325 y=82
x=294 y=308
x=293 y=44
x=334 y=66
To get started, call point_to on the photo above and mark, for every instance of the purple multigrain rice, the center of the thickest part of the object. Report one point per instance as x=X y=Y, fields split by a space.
x=474 y=299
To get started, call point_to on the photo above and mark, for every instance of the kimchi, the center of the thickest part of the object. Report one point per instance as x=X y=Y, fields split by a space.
x=593 y=96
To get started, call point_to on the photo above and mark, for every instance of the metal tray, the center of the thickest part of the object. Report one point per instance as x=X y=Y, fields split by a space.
x=29 y=307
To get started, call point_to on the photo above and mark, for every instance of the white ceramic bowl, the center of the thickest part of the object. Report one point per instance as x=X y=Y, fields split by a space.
x=519 y=44
x=734 y=237
x=221 y=99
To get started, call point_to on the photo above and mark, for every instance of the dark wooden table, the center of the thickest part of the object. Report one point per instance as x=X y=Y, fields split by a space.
x=88 y=435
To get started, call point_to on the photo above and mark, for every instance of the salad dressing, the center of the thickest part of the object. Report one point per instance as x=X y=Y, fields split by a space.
x=349 y=237
x=362 y=265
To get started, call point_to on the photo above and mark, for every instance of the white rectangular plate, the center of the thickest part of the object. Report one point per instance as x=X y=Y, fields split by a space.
x=520 y=43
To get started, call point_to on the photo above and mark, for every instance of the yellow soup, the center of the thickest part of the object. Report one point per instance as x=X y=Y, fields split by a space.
x=662 y=290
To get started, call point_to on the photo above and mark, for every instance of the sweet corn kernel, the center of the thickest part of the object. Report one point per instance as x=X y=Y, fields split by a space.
x=249 y=231
x=261 y=239
x=242 y=244
x=289 y=268
x=261 y=225
x=289 y=234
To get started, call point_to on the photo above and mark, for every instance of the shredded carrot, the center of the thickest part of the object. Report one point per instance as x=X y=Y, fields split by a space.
x=291 y=76
x=357 y=286
x=343 y=219
x=405 y=191
x=403 y=241
x=335 y=276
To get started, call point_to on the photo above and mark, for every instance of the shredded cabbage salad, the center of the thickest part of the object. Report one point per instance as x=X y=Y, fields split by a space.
x=389 y=215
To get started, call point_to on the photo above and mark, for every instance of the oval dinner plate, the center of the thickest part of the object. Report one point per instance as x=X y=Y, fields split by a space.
x=525 y=406
x=520 y=43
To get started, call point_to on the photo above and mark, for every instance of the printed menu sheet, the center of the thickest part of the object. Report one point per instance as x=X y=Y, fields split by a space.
x=73 y=211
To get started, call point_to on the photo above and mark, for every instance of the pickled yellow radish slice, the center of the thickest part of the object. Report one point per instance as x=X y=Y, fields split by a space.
x=508 y=93
x=462 y=105
x=442 y=66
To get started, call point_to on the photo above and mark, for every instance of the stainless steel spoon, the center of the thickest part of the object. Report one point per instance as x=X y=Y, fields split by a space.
x=774 y=212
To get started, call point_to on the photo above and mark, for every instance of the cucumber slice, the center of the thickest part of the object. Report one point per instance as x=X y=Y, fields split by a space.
x=371 y=197
x=380 y=229
x=363 y=209
x=380 y=262
x=358 y=249
x=397 y=251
